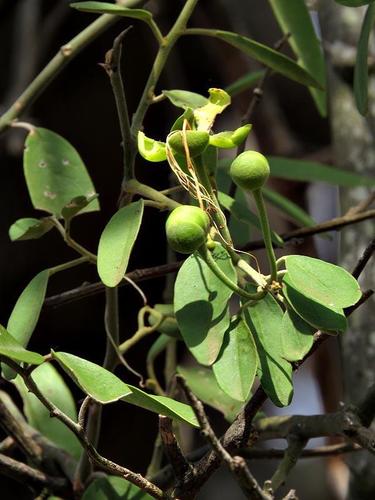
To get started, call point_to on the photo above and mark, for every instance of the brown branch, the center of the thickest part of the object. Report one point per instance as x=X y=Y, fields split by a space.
x=172 y=449
x=291 y=455
x=366 y=256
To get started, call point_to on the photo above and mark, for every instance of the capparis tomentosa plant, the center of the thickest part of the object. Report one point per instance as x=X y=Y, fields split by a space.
x=247 y=327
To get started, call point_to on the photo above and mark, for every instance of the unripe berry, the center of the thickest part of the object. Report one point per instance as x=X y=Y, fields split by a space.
x=250 y=170
x=187 y=228
x=197 y=141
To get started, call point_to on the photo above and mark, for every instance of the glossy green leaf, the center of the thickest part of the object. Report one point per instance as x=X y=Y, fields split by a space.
x=354 y=3
x=99 y=383
x=12 y=349
x=110 y=8
x=76 y=205
x=201 y=304
x=113 y=488
x=291 y=209
x=169 y=325
x=297 y=338
x=237 y=363
x=323 y=282
x=294 y=18
x=29 y=229
x=315 y=313
x=264 y=318
x=51 y=385
x=310 y=171
x=161 y=405
x=245 y=82
x=54 y=172
x=243 y=213
x=202 y=382
x=230 y=139
x=361 y=67
x=116 y=243
x=185 y=99
x=188 y=115
x=150 y=149
x=269 y=57
x=205 y=115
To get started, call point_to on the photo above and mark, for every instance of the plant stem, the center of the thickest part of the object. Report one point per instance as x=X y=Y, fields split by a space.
x=136 y=187
x=67 y=265
x=65 y=233
x=258 y=197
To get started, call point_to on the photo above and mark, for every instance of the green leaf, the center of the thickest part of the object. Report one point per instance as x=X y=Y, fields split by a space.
x=205 y=115
x=245 y=82
x=201 y=304
x=361 y=68
x=354 y=3
x=264 y=318
x=99 y=383
x=202 y=382
x=29 y=228
x=292 y=210
x=310 y=171
x=316 y=314
x=236 y=366
x=116 y=243
x=185 y=99
x=12 y=349
x=150 y=149
x=113 y=488
x=297 y=338
x=52 y=386
x=243 y=213
x=294 y=17
x=76 y=205
x=161 y=405
x=230 y=138
x=323 y=282
x=269 y=57
x=54 y=172
x=188 y=115
x=110 y=8
x=169 y=325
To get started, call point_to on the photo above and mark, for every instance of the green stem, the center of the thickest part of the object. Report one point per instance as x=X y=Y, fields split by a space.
x=258 y=197
x=136 y=187
x=67 y=265
x=65 y=233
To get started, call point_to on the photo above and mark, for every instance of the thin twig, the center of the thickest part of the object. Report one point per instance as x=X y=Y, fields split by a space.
x=366 y=256
x=171 y=447
x=288 y=462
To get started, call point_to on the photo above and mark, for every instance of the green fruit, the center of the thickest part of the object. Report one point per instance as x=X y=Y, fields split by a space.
x=250 y=170
x=187 y=228
x=169 y=326
x=197 y=141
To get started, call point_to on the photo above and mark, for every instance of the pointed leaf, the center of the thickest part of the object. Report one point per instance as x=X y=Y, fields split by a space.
x=201 y=304
x=294 y=17
x=264 y=318
x=29 y=229
x=245 y=82
x=150 y=149
x=297 y=338
x=161 y=405
x=205 y=115
x=113 y=488
x=12 y=349
x=110 y=8
x=323 y=282
x=185 y=99
x=230 y=138
x=76 y=205
x=54 y=172
x=51 y=385
x=116 y=243
x=99 y=383
x=295 y=212
x=237 y=363
x=361 y=67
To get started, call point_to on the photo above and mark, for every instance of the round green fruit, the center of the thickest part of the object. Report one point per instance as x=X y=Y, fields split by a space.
x=250 y=170
x=187 y=228
x=197 y=141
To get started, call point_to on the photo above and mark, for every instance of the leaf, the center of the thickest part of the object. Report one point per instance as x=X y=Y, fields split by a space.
x=243 y=213
x=201 y=304
x=54 y=172
x=99 y=383
x=245 y=82
x=294 y=17
x=361 y=68
x=150 y=149
x=185 y=99
x=188 y=115
x=296 y=213
x=323 y=282
x=110 y=8
x=29 y=228
x=264 y=318
x=205 y=115
x=297 y=338
x=12 y=349
x=113 y=488
x=202 y=382
x=161 y=405
x=354 y=3
x=116 y=243
x=237 y=363
x=51 y=385
x=230 y=138
x=310 y=171
x=314 y=313
x=76 y=205
x=267 y=56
